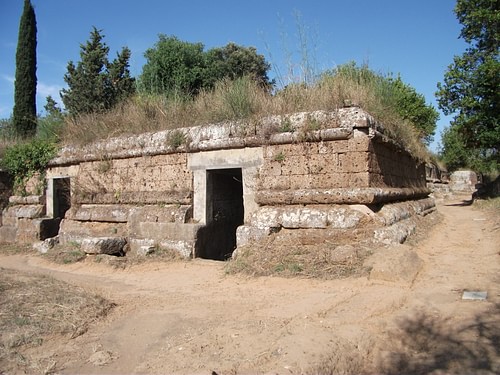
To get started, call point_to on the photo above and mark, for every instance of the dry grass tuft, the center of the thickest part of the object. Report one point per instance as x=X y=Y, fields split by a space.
x=65 y=254
x=34 y=308
x=15 y=248
x=244 y=99
x=291 y=259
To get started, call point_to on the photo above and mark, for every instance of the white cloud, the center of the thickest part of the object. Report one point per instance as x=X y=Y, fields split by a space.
x=43 y=90
x=46 y=90
x=8 y=78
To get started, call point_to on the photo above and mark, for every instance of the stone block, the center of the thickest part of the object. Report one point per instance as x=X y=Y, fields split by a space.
x=28 y=230
x=274 y=182
x=344 y=218
x=8 y=234
x=162 y=231
x=25 y=211
x=300 y=217
x=72 y=230
x=30 y=199
x=138 y=246
x=329 y=181
x=9 y=220
x=294 y=165
x=185 y=248
x=361 y=143
x=266 y=217
x=246 y=234
x=300 y=181
x=43 y=247
x=161 y=214
x=103 y=245
x=395 y=233
x=356 y=162
x=313 y=218
x=361 y=179
x=101 y=212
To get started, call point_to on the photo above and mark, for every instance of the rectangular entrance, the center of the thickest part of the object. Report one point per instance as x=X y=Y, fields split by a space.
x=61 y=197
x=224 y=213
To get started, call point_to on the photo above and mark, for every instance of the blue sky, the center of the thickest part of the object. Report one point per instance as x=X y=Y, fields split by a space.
x=416 y=39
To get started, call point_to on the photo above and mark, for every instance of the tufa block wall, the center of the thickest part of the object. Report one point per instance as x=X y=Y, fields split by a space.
x=138 y=193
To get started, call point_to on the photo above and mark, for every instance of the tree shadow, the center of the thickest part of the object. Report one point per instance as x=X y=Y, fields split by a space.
x=465 y=202
x=434 y=345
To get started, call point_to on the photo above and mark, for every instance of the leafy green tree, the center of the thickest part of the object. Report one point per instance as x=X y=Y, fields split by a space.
x=182 y=68
x=173 y=67
x=24 y=113
x=95 y=84
x=233 y=61
x=470 y=90
x=412 y=106
x=453 y=152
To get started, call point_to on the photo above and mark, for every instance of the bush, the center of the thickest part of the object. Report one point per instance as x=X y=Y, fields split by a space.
x=23 y=160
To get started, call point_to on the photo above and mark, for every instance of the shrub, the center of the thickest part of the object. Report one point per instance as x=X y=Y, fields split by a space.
x=23 y=160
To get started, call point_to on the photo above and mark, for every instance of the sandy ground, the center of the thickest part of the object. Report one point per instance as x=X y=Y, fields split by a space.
x=189 y=317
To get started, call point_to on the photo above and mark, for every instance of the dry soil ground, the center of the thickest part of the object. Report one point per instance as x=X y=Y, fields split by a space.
x=190 y=317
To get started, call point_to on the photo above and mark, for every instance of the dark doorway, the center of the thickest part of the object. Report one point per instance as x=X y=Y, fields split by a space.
x=225 y=212
x=62 y=197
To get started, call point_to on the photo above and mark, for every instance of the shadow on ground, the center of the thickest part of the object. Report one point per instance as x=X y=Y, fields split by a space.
x=465 y=202
x=434 y=345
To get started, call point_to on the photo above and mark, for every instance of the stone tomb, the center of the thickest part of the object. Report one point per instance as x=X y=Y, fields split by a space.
x=205 y=190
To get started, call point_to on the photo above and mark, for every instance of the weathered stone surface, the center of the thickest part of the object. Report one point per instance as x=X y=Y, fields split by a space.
x=294 y=217
x=338 y=196
x=395 y=233
x=155 y=214
x=102 y=212
x=9 y=220
x=103 y=245
x=183 y=247
x=463 y=181
x=27 y=200
x=246 y=234
x=394 y=212
x=44 y=246
x=300 y=217
x=145 y=250
x=338 y=125
x=141 y=246
x=136 y=197
x=344 y=218
x=396 y=263
x=171 y=231
x=29 y=230
x=72 y=230
x=8 y=234
x=31 y=211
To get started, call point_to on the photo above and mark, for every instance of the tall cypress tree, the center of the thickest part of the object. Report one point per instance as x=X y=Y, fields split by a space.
x=24 y=116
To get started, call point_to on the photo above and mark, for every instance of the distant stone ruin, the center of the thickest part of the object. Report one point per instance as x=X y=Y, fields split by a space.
x=206 y=190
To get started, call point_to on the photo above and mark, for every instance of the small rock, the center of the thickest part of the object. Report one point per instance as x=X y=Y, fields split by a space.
x=44 y=246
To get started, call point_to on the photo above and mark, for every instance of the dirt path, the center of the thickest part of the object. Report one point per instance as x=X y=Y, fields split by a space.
x=190 y=317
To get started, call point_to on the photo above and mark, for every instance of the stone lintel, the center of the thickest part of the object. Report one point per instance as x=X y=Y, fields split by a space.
x=339 y=196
